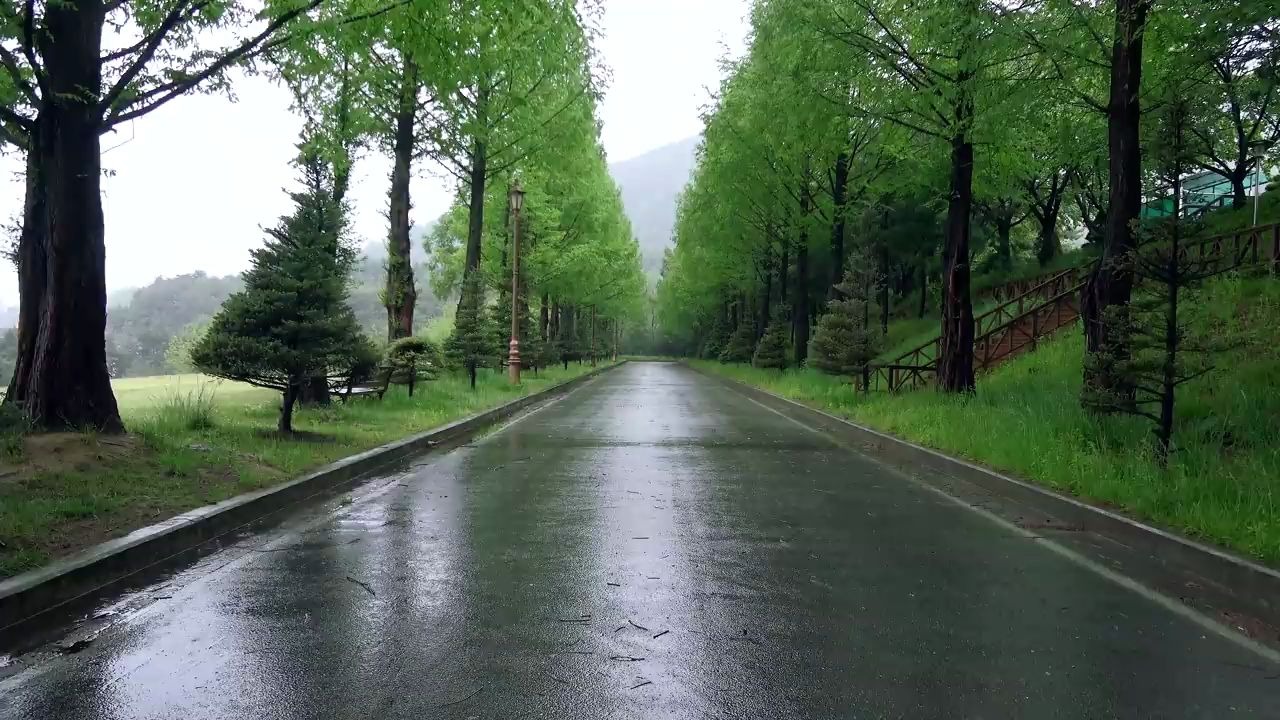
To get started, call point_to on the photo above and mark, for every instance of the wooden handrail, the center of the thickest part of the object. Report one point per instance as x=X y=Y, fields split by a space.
x=1227 y=246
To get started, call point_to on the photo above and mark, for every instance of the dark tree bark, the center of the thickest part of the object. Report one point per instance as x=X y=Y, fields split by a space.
x=800 y=291
x=924 y=291
x=61 y=378
x=766 y=296
x=840 y=181
x=1002 y=214
x=1111 y=284
x=884 y=288
x=783 y=269
x=475 y=222
x=543 y=319
x=955 y=356
x=32 y=266
x=1046 y=205
x=342 y=168
x=1240 y=163
x=400 y=293
x=1239 y=196
x=1004 y=241
x=290 y=397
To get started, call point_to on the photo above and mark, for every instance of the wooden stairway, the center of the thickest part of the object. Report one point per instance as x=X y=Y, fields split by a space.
x=1045 y=305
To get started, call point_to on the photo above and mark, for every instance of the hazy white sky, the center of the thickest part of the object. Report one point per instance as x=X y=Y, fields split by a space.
x=194 y=181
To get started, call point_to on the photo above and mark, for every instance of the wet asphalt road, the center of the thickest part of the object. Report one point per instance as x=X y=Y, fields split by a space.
x=653 y=545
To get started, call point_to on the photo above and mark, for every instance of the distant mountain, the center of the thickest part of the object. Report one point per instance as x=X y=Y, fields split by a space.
x=651 y=184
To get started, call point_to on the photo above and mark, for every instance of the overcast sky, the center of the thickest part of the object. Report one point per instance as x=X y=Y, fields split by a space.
x=193 y=182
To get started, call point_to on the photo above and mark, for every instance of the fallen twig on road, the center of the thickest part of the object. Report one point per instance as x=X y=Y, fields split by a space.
x=664 y=632
x=583 y=619
x=638 y=685
x=633 y=624
x=462 y=700
x=364 y=585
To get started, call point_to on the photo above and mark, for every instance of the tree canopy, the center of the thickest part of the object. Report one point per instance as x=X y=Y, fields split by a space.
x=935 y=139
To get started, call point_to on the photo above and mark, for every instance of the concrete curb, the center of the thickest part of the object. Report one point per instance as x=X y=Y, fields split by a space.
x=1250 y=585
x=107 y=564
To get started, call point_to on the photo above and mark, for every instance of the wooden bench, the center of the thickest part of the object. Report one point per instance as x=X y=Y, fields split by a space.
x=383 y=378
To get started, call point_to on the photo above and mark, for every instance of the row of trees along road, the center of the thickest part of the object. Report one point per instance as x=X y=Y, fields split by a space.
x=485 y=90
x=926 y=138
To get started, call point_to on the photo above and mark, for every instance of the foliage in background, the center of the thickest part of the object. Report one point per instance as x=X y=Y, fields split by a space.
x=471 y=346
x=771 y=352
x=844 y=342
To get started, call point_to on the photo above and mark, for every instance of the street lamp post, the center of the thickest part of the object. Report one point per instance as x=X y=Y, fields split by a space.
x=516 y=200
x=1258 y=154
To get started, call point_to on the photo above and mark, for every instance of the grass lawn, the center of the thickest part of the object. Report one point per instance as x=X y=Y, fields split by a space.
x=138 y=397
x=194 y=441
x=1223 y=483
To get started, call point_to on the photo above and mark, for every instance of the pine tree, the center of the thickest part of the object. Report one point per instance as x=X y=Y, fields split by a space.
x=772 y=350
x=843 y=343
x=1158 y=355
x=292 y=321
x=471 y=344
x=412 y=359
x=501 y=328
x=716 y=340
x=568 y=344
x=741 y=344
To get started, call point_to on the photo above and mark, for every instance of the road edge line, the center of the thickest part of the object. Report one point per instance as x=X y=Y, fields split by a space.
x=1250 y=584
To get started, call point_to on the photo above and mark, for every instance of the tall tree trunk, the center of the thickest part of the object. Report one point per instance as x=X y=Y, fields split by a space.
x=1175 y=277
x=61 y=379
x=800 y=295
x=475 y=220
x=766 y=297
x=841 y=179
x=543 y=319
x=924 y=291
x=955 y=356
x=1240 y=196
x=32 y=268
x=1112 y=283
x=1047 y=208
x=1048 y=245
x=285 y=425
x=342 y=167
x=400 y=293
x=783 y=269
x=1004 y=240
x=884 y=288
